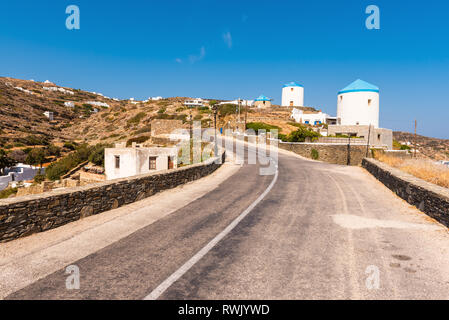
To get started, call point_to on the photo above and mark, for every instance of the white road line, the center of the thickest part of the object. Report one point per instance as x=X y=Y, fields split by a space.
x=156 y=293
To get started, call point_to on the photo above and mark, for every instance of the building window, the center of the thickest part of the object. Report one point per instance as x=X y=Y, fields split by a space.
x=291 y=89
x=153 y=163
x=341 y=98
x=291 y=103
x=170 y=162
x=369 y=102
x=378 y=137
x=117 y=162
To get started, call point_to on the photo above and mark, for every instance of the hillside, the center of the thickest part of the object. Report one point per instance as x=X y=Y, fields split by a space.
x=433 y=148
x=22 y=107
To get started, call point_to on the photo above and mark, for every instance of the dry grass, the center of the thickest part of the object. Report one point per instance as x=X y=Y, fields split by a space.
x=421 y=168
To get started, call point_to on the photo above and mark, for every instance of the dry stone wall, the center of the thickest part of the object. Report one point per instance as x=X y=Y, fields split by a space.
x=427 y=197
x=26 y=215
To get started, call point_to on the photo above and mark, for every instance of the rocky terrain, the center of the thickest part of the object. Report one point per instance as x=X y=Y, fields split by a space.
x=433 y=148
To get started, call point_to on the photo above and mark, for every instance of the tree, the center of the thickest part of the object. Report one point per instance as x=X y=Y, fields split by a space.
x=18 y=155
x=36 y=157
x=5 y=161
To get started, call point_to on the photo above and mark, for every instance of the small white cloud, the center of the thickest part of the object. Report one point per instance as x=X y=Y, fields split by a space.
x=227 y=38
x=178 y=60
x=196 y=58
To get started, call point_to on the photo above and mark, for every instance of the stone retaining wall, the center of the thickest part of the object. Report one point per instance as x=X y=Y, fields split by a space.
x=427 y=197
x=23 y=216
x=331 y=153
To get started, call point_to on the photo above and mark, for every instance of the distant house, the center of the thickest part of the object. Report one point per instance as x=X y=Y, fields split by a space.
x=248 y=103
x=20 y=172
x=69 y=104
x=198 y=102
x=122 y=162
x=262 y=102
x=312 y=118
x=49 y=115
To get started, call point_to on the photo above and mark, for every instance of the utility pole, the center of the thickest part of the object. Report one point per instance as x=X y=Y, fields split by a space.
x=367 y=144
x=416 y=124
x=246 y=112
x=215 y=130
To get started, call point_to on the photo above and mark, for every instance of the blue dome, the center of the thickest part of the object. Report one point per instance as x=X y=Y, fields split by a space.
x=292 y=84
x=263 y=98
x=359 y=86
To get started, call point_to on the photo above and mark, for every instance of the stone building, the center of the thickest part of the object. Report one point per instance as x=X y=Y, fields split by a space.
x=262 y=102
x=378 y=137
x=122 y=162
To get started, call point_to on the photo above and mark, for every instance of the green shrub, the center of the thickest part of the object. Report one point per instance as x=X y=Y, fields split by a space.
x=162 y=110
x=97 y=154
x=6 y=193
x=226 y=109
x=64 y=165
x=39 y=178
x=314 y=154
x=136 y=119
x=140 y=139
x=144 y=129
x=256 y=126
x=301 y=134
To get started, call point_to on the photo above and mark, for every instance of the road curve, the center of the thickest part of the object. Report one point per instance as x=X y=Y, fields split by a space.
x=322 y=232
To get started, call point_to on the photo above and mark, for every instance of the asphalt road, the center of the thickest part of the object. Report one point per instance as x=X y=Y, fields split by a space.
x=322 y=232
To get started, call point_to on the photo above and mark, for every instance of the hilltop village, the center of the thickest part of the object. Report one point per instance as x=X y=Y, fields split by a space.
x=72 y=137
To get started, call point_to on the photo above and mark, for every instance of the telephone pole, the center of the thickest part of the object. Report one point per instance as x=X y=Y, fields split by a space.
x=416 y=124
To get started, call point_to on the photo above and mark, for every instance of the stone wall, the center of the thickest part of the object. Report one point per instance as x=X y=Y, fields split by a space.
x=23 y=216
x=331 y=153
x=427 y=197
x=163 y=126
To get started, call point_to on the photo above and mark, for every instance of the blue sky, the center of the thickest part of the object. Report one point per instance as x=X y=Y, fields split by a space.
x=230 y=49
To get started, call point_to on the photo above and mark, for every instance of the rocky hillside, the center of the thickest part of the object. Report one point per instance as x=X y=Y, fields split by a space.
x=433 y=148
x=23 y=104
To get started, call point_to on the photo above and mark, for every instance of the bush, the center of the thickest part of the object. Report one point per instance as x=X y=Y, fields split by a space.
x=136 y=119
x=39 y=178
x=97 y=154
x=143 y=130
x=314 y=154
x=64 y=165
x=140 y=139
x=256 y=126
x=7 y=193
x=162 y=110
x=226 y=109
x=301 y=134
x=70 y=145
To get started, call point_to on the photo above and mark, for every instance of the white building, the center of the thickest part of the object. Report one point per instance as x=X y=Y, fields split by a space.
x=358 y=104
x=308 y=117
x=248 y=103
x=69 y=104
x=198 y=102
x=49 y=115
x=293 y=95
x=122 y=162
x=20 y=172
